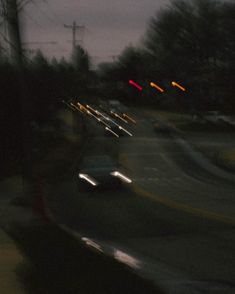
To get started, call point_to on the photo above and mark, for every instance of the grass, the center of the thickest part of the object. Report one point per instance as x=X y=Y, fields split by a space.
x=226 y=158
x=229 y=155
x=183 y=122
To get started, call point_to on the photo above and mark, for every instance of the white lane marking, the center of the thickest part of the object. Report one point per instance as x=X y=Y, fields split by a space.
x=157 y=179
x=147 y=139
x=139 y=154
x=151 y=168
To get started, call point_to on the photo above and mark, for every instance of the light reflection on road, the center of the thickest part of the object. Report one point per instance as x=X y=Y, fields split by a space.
x=116 y=253
x=126 y=258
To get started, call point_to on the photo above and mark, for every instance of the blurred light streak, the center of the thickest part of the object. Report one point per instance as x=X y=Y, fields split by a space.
x=68 y=105
x=123 y=129
x=128 y=117
x=121 y=176
x=91 y=243
x=135 y=85
x=174 y=84
x=89 y=107
x=126 y=258
x=79 y=109
x=118 y=116
x=112 y=132
x=156 y=87
x=103 y=122
x=89 y=179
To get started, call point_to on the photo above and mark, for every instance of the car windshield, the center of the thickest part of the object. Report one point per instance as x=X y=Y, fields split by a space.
x=98 y=162
x=117 y=144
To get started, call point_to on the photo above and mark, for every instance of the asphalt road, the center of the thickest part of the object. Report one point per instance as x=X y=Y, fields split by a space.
x=174 y=224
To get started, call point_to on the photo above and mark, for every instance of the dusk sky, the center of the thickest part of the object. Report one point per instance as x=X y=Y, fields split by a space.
x=110 y=25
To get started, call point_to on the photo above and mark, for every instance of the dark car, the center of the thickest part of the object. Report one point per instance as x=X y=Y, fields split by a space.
x=101 y=171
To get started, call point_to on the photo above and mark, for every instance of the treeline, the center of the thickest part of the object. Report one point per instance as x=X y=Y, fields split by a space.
x=189 y=41
x=44 y=84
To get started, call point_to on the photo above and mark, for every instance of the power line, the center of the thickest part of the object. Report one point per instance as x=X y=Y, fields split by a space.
x=52 y=11
x=26 y=58
x=33 y=20
x=43 y=42
x=45 y=14
x=22 y=4
x=24 y=43
x=43 y=28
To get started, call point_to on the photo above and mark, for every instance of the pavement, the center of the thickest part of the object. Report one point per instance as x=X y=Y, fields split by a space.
x=13 y=259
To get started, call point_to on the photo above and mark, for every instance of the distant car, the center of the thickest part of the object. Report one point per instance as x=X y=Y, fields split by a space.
x=116 y=106
x=216 y=117
x=101 y=171
x=163 y=127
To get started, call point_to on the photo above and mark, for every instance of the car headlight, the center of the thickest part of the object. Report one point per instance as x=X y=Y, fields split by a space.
x=88 y=178
x=121 y=176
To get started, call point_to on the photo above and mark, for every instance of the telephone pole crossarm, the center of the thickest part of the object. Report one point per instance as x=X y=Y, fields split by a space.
x=74 y=28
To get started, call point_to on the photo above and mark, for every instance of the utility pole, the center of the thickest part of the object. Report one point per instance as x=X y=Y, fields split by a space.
x=14 y=32
x=21 y=100
x=74 y=28
x=2 y=25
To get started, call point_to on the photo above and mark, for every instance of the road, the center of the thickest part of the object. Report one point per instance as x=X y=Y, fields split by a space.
x=174 y=224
